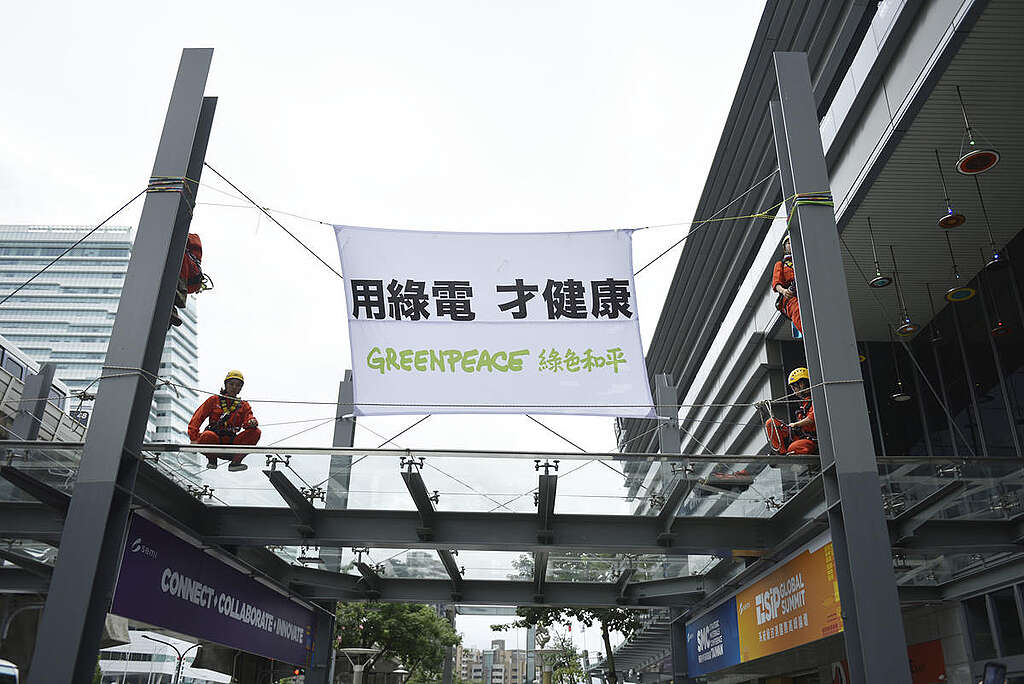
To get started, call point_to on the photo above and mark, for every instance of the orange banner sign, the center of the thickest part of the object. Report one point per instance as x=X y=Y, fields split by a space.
x=795 y=604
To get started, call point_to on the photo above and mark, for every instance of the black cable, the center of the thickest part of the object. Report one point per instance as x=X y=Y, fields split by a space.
x=269 y=216
x=65 y=252
x=405 y=430
x=556 y=433
x=390 y=441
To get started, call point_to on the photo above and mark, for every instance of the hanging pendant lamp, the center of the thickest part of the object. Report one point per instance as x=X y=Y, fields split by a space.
x=1000 y=328
x=998 y=261
x=974 y=158
x=952 y=218
x=907 y=327
x=959 y=292
x=879 y=280
x=899 y=395
x=936 y=335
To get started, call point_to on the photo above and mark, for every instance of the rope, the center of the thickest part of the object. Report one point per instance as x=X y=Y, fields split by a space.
x=701 y=224
x=803 y=199
x=76 y=244
x=174 y=184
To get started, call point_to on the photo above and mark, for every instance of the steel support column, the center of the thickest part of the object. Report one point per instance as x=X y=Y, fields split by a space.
x=873 y=623
x=447 y=672
x=677 y=641
x=31 y=409
x=33 y=403
x=93 y=538
x=321 y=661
x=339 y=477
x=321 y=670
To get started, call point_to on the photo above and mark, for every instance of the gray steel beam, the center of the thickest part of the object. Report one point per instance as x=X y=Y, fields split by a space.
x=156 y=491
x=299 y=504
x=339 y=477
x=540 y=573
x=29 y=565
x=93 y=539
x=52 y=497
x=243 y=530
x=23 y=520
x=314 y=584
x=909 y=520
x=547 y=488
x=667 y=516
x=454 y=573
x=371 y=580
x=486 y=531
x=690 y=587
x=622 y=582
x=32 y=406
x=873 y=623
x=424 y=504
x=20 y=581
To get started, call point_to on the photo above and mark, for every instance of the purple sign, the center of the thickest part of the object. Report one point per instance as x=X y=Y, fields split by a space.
x=167 y=582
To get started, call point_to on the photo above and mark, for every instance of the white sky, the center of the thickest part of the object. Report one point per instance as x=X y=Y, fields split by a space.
x=449 y=115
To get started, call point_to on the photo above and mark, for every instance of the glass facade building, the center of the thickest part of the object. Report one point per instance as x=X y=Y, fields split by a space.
x=65 y=315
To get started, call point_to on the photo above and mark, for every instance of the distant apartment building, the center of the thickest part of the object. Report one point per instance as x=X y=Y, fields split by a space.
x=496 y=665
x=66 y=314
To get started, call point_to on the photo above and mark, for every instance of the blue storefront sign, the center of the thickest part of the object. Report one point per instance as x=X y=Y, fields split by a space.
x=712 y=640
x=167 y=582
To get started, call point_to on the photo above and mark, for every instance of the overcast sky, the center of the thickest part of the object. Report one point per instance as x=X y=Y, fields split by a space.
x=501 y=116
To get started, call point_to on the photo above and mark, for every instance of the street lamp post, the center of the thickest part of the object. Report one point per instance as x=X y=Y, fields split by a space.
x=362 y=655
x=181 y=654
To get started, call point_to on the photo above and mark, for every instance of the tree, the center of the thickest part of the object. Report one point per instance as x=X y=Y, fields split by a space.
x=621 y=620
x=566 y=661
x=413 y=634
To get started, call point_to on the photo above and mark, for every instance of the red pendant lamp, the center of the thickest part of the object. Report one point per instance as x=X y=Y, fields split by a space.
x=974 y=158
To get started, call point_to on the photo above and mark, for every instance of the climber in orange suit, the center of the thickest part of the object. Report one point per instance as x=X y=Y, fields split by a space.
x=231 y=422
x=784 y=284
x=800 y=436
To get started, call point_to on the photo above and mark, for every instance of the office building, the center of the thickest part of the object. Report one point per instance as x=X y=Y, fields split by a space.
x=496 y=665
x=65 y=315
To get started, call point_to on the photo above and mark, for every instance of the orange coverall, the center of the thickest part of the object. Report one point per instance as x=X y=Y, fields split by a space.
x=782 y=438
x=789 y=306
x=231 y=430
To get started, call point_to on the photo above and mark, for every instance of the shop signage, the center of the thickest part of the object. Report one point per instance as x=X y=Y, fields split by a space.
x=165 y=581
x=794 y=604
x=443 y=322
x=712 y=640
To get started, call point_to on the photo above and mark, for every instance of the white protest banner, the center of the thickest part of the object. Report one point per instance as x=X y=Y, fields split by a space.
x=443 y=322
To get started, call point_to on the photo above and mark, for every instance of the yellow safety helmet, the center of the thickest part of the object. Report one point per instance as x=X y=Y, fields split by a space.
x=234 y=375
x=798 y=374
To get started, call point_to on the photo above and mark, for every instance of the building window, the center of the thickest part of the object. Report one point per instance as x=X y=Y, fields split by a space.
x=12 y=366
x=982 y=644
x=1007 y=619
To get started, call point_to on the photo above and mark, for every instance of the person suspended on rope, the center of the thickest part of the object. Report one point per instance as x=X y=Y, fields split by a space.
x=230 y=422
x=191 y=279
x=784 y=285
x=798 y=437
